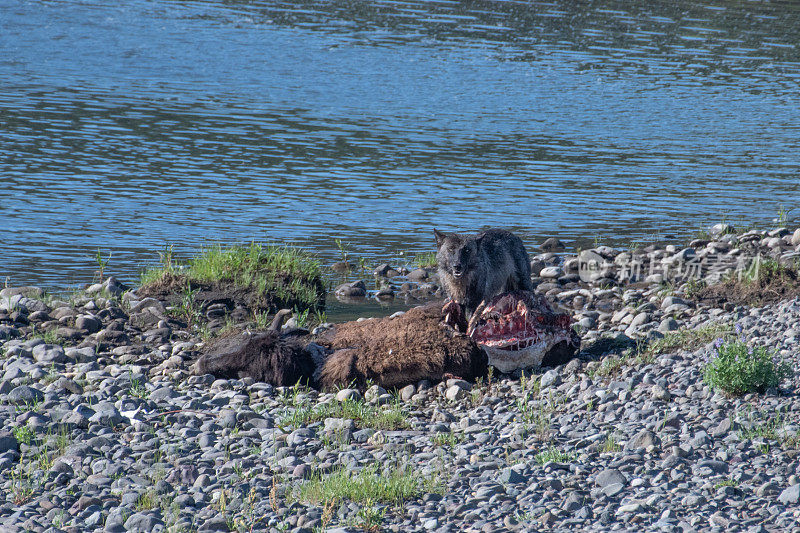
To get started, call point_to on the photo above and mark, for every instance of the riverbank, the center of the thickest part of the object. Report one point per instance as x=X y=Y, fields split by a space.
x=105 y=428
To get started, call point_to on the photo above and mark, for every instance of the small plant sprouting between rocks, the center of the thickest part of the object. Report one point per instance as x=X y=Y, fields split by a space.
x=554 y=455
x=426 y=260
x=23 y=434
x=369 y=518
x=392 y=485
x=388 y=417
x=736 y=368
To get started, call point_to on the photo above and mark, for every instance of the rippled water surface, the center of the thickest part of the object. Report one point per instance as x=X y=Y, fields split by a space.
x=127 y=125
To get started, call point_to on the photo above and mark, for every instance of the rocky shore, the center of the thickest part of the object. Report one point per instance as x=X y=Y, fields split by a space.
x=105 y=428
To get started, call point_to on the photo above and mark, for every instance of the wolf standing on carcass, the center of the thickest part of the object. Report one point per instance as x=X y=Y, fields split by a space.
x=474 y=268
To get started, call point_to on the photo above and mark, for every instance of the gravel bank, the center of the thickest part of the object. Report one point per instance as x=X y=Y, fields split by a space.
x=105 y=429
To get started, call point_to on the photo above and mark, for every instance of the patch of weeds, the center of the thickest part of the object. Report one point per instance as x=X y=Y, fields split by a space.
x=687 y=339
x=554 y=455
x=187 y=307
x=369 y=517
x=101 y=263
x=49 y=336
x=726 y=483
x=136 y=389
x=302 y=318
x=320 y=317
x=693 y=287
x=426 y=260
x=343 y=249
x=392 y=485
x=388 y=417
x=21 y=487
x=764 y=269
x=766 y=426
x=262 y=320
x=168 y=266
x=60 y=519
x=737 y=368
x=23 y=434
x=447 y=439
x=147 y=500
x=610 y=445
x=537 y=412
x=666 y=289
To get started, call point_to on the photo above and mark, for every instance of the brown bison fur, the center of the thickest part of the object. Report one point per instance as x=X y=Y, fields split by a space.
x=394 y=352
x=264 y=356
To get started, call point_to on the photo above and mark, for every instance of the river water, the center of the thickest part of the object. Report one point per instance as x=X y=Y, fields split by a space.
x=128 y=125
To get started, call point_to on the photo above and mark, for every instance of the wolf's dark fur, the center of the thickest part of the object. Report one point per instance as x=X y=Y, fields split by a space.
x=474 y=268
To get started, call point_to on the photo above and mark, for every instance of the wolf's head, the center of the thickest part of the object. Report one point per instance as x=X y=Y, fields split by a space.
x=457 y=255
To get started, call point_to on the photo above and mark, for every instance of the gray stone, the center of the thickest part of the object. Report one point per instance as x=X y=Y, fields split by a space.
x=551 y=378
x=667 y=325
x=142 y=523
x=643 y=439
x=659 y=393
x=49 y=353
x=106 y=414
x=551 y=272
x=348 y=394
x=8 y=442
x=790 y=495
x=455 y=393
x=25 y=395
x=610 y=476
x=509 y=475
x=718 y=467
x=88 y=323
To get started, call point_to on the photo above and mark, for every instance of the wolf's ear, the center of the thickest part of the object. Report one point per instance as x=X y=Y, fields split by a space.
x=440 y=237
x=478 y=239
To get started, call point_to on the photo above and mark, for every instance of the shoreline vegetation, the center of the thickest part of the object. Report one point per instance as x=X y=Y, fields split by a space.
x=680 y=411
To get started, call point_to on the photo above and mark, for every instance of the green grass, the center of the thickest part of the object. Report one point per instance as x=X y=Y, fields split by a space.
x=369 y=517
x=610 y=445
x=737 y=368
x=768 y=426
x=687 y=339
x=554 y=455
x=283 y=275
x=447 y=439
x=364 y=415
x=426 y=260
x=392 y=485
x=726 y=483
x=646 y=353
x=763 y=270
x=23 y=434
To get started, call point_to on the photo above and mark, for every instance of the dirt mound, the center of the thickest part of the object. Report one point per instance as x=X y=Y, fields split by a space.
x=771 y=286
x=224 y=295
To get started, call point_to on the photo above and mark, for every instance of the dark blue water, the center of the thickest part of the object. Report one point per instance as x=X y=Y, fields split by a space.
x=128 y=125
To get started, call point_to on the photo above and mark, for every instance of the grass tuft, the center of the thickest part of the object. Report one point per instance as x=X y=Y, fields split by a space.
x=392 y=485
x=389 y=417
x=426 y=260
x=554 y=455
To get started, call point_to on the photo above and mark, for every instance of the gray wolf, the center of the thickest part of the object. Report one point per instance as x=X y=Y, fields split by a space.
x=475 y=268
